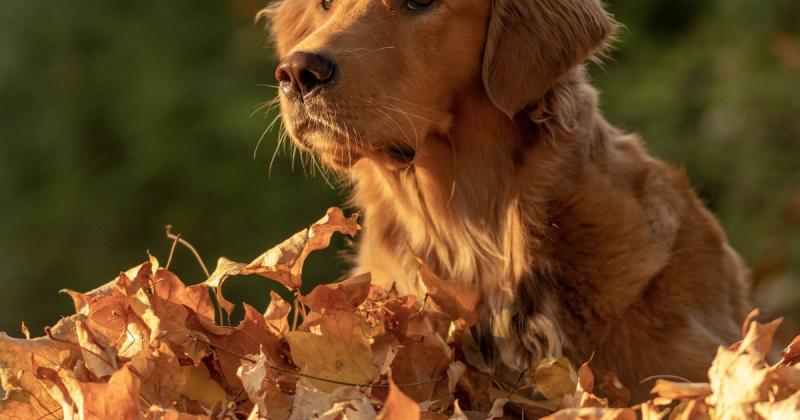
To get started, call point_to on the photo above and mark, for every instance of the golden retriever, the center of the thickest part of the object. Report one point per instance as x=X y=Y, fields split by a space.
x=474 y=142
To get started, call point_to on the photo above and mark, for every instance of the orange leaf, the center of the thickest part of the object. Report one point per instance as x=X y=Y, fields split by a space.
x=680 y=390
x=791 y=354
x=453 y=298
x=398 y=406
x=284 y=263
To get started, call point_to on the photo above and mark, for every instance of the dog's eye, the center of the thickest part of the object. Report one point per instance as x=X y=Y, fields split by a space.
x=419 y=4
x=326 y=4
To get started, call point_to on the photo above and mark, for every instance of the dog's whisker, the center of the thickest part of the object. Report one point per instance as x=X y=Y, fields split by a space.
x=414 y=104
x=455 y=170
x=413 y=126
x=277 y=149
x=261 y=139
x=363 y=52
x=411 y=114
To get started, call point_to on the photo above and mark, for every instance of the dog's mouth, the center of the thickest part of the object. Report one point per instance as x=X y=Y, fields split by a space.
x=340 y=147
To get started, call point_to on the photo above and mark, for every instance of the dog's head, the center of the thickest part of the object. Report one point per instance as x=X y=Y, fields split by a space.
x=376 y=78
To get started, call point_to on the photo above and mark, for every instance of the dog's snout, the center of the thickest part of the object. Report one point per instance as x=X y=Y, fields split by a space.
x=302 y=73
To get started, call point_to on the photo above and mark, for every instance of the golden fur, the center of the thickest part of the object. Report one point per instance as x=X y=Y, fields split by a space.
x=579 y=241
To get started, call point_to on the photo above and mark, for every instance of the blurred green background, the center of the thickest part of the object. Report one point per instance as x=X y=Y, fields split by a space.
x=117 y=118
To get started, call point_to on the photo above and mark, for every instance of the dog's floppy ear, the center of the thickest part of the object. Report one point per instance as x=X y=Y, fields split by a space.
x=532 y=43
x=289 y=22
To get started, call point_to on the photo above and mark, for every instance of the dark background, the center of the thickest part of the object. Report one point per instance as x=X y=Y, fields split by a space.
x=117 y=118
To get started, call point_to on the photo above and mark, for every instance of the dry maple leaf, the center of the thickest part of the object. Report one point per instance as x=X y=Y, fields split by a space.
x=116 y=399
x=345 y=295
x=453 y=298
x=24 y=391
x=339 y=353
x=284 y=263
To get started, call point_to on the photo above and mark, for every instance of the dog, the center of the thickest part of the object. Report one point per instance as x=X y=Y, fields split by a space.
x=474 y=142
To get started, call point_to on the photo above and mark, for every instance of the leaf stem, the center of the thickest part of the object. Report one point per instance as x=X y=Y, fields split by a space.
x=183 y=242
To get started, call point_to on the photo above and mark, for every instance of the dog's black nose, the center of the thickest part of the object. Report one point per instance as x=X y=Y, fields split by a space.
x=303 y=73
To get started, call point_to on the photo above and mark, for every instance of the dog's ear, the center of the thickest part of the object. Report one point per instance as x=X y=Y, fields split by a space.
x=289 y=22
x=532 y=43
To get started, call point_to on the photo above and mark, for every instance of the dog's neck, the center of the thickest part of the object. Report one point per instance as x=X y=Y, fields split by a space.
x=459 y=205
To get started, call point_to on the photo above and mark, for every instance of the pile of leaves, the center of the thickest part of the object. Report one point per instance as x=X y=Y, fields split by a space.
x=146 y=345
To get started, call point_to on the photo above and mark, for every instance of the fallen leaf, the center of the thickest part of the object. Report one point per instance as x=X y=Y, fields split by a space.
x=680 y=390
x=452 y=297
x=583 y=396
x=555 y=378
x=202 y=388
x=398 y=406
x=531 y=408
x=251 y=336
x=455 y=372
x=160 y=413
x=346 y=295
x=651 y=412
x=758 y=339
x=277 y=314
x=458 y=414
x=284 y=263
x=791 y=354
x=168 y=286
x=690 y=410
x=98 y=360
x=423 y=361
x=312 y=403
x=116 y=399
x=593 y=414
x=609 y=387
x=17 y=378
x=740 y=378
x=340 y=353
x=263 y=390
x=498 y=409
x=788 y=409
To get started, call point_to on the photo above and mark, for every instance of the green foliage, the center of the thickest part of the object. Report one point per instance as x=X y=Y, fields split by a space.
x=117 y=118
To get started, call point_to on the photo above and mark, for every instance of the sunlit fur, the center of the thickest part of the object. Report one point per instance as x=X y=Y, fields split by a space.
x=579 y=241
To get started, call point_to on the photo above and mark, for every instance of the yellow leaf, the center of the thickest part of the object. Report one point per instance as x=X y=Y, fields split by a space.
x=201 y=388
x=555 y=378
x=341 y=353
